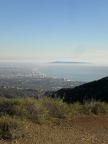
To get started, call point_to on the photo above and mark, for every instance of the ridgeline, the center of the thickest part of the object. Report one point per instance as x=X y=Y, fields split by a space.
x=96 y=90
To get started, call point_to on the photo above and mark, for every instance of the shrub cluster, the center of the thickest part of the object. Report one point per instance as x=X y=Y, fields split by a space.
x=56 y=107
x=14 y=112
x=10 y=128
x=28 y=108
x=97 y=108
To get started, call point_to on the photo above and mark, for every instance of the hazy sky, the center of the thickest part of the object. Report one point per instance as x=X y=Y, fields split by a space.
x=50 y=30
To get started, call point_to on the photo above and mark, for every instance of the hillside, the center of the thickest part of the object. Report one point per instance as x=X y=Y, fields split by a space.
x=96 y=90
x=50 y=121
x=17 y=93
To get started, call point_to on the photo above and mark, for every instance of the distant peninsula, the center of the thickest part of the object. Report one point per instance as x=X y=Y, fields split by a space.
x=69 y=62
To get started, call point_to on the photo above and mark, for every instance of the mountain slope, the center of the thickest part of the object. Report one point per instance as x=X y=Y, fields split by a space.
x=96 y=90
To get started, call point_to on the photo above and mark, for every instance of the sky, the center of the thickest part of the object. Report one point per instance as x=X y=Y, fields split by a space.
x=54 y=30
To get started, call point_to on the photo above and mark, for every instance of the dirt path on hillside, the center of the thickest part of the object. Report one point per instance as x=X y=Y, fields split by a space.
x=78 y=130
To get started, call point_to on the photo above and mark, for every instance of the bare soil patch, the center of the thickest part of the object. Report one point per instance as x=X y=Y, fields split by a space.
x=80 y=129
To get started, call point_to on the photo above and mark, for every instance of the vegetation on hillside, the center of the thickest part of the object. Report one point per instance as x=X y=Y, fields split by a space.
x=14 y=113
x=18 y=93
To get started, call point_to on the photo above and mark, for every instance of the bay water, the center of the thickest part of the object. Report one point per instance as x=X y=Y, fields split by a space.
x=85 y=73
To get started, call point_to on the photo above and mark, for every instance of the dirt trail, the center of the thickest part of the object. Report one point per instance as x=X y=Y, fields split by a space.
x=77 y=130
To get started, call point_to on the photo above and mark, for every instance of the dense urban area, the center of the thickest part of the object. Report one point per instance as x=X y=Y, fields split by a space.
x=27 y=77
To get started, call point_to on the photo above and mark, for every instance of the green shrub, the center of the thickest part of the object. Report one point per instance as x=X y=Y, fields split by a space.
x=10 y=128
x=100 y=108
x=28 y=108
x=56 y=107
x=87 y=110
x=13 y=107
x=75 y=108
x=36 y=111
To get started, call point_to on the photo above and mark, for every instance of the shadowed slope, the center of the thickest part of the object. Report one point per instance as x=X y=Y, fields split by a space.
x=96 y=90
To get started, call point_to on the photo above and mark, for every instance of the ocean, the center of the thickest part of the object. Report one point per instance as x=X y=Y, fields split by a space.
x=75 y=72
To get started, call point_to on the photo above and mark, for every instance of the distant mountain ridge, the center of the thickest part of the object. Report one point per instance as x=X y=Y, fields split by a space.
x=69 y=62
x=96 y=90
